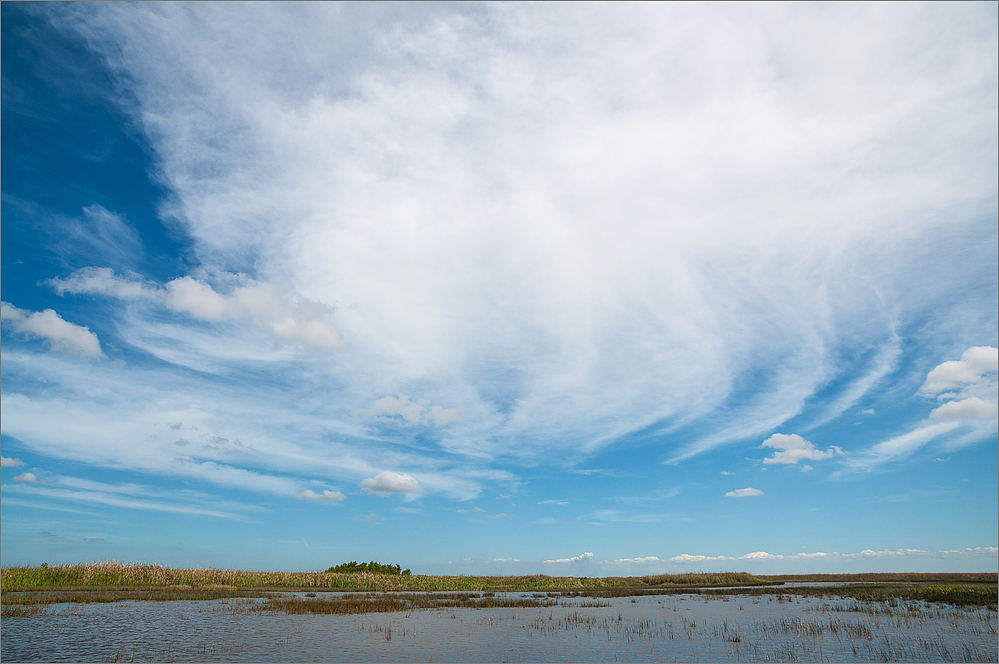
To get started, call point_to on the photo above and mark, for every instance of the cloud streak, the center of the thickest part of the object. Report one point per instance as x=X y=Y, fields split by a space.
x=582 y=256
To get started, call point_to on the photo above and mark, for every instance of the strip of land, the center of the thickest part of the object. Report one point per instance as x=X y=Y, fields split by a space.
x=22 y=588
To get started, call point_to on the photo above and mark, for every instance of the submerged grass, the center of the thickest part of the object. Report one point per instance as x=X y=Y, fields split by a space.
x=86 y=596
x=386 y=602
x=958 y=595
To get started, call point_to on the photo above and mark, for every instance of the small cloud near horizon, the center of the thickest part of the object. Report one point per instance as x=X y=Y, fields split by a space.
x=744 y=493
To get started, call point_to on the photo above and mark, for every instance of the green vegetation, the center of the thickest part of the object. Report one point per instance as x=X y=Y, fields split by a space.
x=354 y=567
x=113 y=581
x=959 y=595
x=123 y=576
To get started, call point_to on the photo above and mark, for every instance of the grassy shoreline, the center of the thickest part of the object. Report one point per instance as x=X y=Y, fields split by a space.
x=112 y=575
x=113 y=582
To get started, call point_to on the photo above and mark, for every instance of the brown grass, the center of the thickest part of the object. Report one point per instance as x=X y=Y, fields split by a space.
x=111 y=574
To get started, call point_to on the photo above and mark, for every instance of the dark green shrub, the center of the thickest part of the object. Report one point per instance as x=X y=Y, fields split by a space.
x=372 y=567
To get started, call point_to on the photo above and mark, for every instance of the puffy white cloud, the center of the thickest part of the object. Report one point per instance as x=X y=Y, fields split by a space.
x=326 y=495
x=6 y=462
x=29 y=478
x=575 y=559
x=388 y=482
x=975 y=364
x=793 y=448
x=744 y=493
x=61 y=335
x=185 y=295
x=759 y=555
x=966 y=409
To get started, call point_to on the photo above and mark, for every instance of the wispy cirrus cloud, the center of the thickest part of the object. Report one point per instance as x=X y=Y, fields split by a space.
x=964 y=417
x=436 y=246
x=284 y=313
x=325 y=496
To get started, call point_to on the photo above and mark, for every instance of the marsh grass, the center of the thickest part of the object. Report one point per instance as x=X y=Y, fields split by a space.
x=882 y=631
x=18 y=611
x=87 y=596
x=968 y=595
x=111 y=574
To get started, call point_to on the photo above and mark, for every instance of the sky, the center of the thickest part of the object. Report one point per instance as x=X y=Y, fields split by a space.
x=565 y=289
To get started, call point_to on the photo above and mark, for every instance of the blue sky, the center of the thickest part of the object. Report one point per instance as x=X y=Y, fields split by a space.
x=564 y=289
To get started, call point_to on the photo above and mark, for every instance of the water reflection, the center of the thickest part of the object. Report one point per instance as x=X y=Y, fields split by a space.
x=684 y=628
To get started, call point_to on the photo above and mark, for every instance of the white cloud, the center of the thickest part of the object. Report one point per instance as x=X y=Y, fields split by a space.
x=553 y=502
x=971 y=408
x=688 y=558
x=758 y=555
x=103 y=281
x=744 y=493
x=115 y=499
x=412 y=412
x=793 y=448
x=575 y=559
x=388 y=482
x=501 y=515
x=638 y=561
x=326 y=495
x=960 y=384
x=818 y=555
x=284 y=313
x=29 y=478
x=477 y=199
x=899 y=447
x=6 y=462
x=975 y=364
x=61 y=335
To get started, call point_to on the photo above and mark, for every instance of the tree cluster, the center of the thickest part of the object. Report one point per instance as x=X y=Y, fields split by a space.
x=372 y=567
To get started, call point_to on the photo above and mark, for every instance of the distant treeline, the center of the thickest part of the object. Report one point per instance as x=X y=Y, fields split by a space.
x=354 y=567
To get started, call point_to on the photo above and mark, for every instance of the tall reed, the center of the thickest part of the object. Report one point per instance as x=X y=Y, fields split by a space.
x=118 y=574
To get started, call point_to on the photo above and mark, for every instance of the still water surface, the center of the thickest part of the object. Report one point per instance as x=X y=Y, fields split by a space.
x=681 y=628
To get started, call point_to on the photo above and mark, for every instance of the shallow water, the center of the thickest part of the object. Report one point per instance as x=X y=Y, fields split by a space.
x=682 y=628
